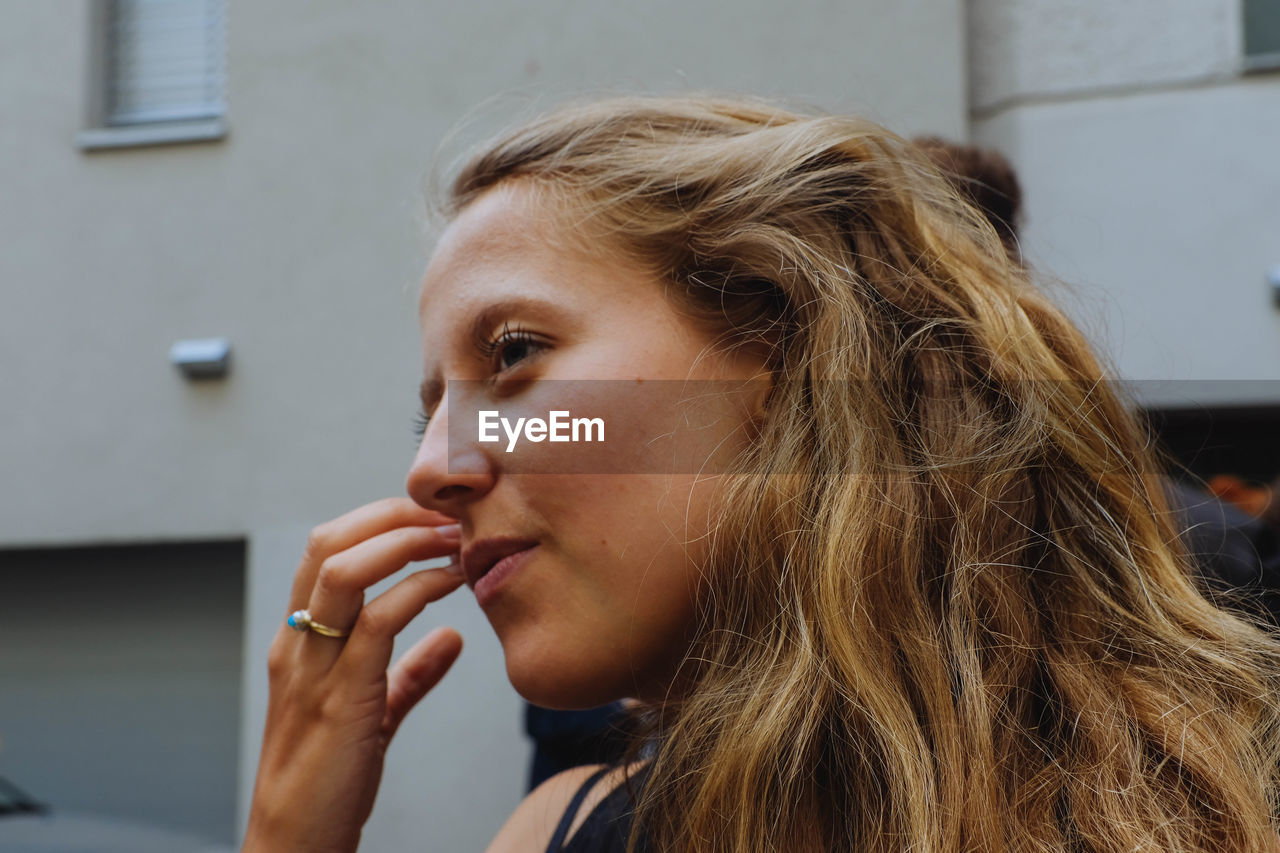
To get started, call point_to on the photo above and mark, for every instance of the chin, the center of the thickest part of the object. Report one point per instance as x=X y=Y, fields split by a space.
x=552 y=681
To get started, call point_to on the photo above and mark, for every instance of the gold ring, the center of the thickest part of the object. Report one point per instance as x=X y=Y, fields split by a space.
x=300 y=620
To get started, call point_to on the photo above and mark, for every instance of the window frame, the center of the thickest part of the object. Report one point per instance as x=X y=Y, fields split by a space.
x=98 y=132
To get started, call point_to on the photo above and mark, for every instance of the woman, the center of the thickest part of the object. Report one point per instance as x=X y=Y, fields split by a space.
x=926 y=594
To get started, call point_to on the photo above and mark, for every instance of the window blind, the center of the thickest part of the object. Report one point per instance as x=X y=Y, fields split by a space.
x=166 y=60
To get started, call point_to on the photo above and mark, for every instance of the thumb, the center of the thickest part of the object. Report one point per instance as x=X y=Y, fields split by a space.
x=417 y=671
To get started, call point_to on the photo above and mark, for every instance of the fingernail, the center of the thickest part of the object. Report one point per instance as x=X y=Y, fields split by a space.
x=450 y=532
x=454 y=566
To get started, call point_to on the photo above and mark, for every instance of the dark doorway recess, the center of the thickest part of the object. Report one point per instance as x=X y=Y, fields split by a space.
x=1241 y=440
x=120 y=670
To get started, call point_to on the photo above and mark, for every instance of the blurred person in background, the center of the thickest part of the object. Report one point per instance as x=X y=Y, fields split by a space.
x=1235 y=547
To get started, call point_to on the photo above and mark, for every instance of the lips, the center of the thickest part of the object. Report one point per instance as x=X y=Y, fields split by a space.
x=478 y=559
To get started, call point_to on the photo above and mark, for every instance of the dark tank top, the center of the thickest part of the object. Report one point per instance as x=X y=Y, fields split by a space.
x=606 y=828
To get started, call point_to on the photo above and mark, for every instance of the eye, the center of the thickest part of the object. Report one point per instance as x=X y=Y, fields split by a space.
x=510 y=347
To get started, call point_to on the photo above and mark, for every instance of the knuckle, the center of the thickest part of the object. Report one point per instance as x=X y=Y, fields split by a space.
x=424 y=581
x=277 y=657
x=412 y=538
x=372 y=622
x=335 y=706
x=332 y=577
x=318 y=541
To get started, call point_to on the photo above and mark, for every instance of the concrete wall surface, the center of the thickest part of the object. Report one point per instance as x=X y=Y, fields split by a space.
x=1149 y=177
x=1035 y=48
x=299 y=238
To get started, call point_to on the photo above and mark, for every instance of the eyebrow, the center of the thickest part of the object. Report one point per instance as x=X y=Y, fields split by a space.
x=432 y=388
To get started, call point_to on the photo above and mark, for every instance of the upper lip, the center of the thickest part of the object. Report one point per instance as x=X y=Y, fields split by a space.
x=481 y=556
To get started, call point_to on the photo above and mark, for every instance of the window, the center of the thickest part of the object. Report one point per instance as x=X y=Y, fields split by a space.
x=160 y=74
x=1261 y=34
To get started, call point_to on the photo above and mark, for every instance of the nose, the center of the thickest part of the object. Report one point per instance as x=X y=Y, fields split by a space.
x=448 y=472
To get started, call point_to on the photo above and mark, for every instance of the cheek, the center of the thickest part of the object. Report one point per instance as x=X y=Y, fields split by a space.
x=625 y=589
x=634 y=538
x=634 y=509
x=663 y=539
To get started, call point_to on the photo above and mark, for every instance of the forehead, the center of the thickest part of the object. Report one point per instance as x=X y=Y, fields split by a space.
x=506 y=236
x=514 y=253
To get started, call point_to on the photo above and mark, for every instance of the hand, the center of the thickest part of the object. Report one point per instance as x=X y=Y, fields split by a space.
x=334 y=705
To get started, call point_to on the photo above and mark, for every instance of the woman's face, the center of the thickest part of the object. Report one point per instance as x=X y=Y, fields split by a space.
x=599 y=601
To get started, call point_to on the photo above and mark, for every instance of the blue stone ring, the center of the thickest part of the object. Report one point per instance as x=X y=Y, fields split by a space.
x=300 y=620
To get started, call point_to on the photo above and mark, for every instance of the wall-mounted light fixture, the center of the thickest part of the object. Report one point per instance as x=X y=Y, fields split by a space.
x=1273 y=278
x=202 y=358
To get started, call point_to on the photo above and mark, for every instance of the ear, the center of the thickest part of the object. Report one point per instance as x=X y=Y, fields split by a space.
x=760 y=390
x=765 y=357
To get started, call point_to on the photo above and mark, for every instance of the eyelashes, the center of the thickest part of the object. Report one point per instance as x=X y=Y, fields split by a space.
x=510 y=339
x=420 y=421
x=498 y=349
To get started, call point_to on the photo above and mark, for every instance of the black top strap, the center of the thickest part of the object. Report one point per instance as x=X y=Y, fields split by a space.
x=557 y=840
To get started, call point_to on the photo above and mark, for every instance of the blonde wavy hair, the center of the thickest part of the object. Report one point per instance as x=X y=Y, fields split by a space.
x=946 y=605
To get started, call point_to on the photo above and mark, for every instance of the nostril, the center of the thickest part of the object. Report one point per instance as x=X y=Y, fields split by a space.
x=450 y=492
x=443 y=482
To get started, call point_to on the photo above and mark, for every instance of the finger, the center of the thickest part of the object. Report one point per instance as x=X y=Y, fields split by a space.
x=417 y=672
x=338 y=595
x=347 y=530
x=372 y=640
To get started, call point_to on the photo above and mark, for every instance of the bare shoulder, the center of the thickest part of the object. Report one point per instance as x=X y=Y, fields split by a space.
x=532 y=824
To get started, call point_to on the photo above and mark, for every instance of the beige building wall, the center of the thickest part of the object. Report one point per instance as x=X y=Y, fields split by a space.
x=298 y=237
x=1150 y=176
